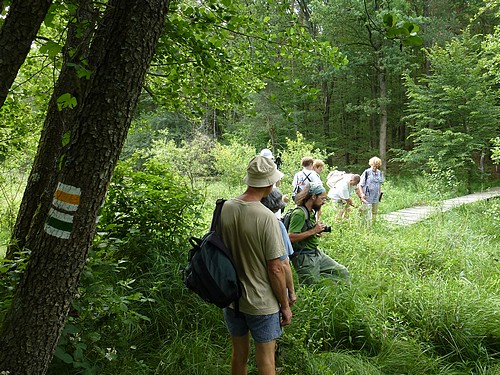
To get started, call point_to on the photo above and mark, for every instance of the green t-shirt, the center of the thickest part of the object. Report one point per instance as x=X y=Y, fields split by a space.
x=298 y=225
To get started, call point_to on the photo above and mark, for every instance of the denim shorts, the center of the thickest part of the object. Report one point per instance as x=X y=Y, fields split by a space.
x=264 y=328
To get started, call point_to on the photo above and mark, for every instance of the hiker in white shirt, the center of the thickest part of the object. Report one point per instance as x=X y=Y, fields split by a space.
x=306 y=176
x=341 y=194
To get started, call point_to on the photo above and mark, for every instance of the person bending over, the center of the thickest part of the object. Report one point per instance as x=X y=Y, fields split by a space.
x=304 y=232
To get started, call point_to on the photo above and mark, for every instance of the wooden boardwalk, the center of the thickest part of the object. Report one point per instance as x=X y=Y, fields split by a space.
x=413 y=215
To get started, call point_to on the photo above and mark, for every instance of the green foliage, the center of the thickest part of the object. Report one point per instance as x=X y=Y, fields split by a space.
x=292 y=155
x=457 y=97
x=103 y=315
x=444 y=155
x=147 y=205
x=11 y=271
x=141 y=243
x=13 y=176
x=66 y=101
x=231 y=160
x=214 y=55
x=193 y=159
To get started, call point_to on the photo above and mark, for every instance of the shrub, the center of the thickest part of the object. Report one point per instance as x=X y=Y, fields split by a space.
x=148 y=215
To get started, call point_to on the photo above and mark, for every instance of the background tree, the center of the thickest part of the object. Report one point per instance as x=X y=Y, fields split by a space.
x=16 y=34
x=61 y=117
x=60 y=238
x=458 y=98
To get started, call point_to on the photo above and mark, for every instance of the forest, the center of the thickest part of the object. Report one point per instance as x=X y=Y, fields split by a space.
x=123 y=121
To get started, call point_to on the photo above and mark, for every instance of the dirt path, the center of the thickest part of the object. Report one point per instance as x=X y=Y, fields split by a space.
x=413 y=215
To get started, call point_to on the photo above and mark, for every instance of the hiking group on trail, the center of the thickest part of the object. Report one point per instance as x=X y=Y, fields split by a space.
x=262 y=244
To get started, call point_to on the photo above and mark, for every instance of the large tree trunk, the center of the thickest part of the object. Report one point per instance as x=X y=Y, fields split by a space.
x=60 y=238
x=42 y=180
x=17 y=34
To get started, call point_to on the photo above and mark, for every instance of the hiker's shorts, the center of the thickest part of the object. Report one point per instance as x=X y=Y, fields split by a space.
x=264 y=328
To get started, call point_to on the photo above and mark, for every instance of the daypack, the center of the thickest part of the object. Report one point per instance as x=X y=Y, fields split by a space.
x=288 y=215
x=211 y=272
x=334 y=177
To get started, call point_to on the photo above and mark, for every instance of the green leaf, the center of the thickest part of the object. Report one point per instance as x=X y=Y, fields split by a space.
x=413 y=41
x=411 y=27
x=66 y=101
x=63 y=356
x=389 y=20
x=51 y=48
x=66 y=138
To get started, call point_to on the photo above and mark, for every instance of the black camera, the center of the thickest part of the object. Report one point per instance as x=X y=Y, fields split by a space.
x=327 y=228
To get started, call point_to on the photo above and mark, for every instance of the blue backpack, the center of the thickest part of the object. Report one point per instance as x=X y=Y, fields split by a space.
x=210 y=272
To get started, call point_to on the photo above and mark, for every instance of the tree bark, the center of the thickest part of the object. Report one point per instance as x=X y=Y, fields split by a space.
x=41 y=182
x=383 y=114
x=327 y=103
x=59 y=243
x=18 y=31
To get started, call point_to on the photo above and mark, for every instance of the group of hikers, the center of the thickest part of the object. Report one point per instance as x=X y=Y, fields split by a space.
x=262 y=246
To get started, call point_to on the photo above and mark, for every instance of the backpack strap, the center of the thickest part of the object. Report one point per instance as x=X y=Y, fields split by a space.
x=214 y=227
x=216 y=215
x=307 y=214
x=307 y=176
x=307 y=225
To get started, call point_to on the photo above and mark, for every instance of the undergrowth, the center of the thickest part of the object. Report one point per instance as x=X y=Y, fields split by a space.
x=423 y=300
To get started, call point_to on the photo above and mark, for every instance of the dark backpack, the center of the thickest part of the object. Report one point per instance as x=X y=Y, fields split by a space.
x=288 y=216
x=210 y=272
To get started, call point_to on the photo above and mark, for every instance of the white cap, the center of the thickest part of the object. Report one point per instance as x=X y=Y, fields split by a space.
x=267 y=153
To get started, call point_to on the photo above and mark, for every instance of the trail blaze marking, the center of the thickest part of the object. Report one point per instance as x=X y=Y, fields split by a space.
x=65 y=203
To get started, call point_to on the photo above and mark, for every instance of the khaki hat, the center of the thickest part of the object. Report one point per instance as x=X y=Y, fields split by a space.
x=262 y=172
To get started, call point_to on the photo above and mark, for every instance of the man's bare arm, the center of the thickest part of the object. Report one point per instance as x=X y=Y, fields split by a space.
x=277 y=278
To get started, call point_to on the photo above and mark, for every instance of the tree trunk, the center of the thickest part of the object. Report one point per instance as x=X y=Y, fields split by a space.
x=59 y=243
x=41 y=182
x=327 y=103
x=17 y=34
x=383 y=114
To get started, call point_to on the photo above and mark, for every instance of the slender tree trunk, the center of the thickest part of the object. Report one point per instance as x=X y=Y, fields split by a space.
x=17 y=34
x=59 y=243
x=327 y=103
x=42 y=180
x=383 y=114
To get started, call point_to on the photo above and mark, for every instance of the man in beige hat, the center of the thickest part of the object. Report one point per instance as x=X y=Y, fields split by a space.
x=252 y=234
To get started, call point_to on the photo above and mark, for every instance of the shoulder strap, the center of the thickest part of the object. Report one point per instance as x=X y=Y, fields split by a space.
x=363 y=177
x=308 y=218
x=306 y=212
x=216 y=214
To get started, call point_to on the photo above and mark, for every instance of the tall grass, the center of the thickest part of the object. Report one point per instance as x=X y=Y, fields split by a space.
x=423 y=300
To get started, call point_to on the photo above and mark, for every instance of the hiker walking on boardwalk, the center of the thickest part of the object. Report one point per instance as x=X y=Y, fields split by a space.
x=369 y=190
x=304 y=231
x=252 y=234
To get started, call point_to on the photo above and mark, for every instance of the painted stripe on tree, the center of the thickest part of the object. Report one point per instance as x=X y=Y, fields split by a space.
x=66 y=197
x=60 y=224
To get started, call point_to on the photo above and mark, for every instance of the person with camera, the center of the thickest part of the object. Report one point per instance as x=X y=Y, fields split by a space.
x=304 y=232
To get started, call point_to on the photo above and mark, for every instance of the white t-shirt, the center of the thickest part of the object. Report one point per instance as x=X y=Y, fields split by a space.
x=342 y=189
x=304 y=177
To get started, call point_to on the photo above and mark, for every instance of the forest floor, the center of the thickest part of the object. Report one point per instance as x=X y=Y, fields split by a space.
x=413 y=215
